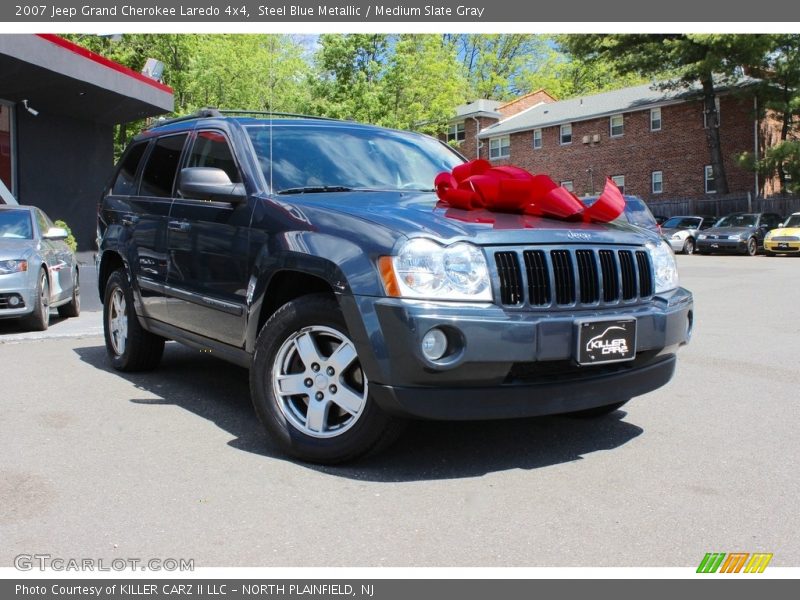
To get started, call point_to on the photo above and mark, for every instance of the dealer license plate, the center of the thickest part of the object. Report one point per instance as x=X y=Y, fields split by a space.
x=606 y=341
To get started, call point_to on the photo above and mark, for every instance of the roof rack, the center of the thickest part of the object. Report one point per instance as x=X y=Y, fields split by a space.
x=205 y=113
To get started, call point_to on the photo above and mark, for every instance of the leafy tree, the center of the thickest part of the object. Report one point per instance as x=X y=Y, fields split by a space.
x=690 y=59
x=779 y=72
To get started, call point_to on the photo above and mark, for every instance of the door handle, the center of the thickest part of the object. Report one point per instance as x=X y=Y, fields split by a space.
x=179 y=225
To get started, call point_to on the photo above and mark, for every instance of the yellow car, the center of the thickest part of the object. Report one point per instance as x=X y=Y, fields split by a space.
x=784 y=239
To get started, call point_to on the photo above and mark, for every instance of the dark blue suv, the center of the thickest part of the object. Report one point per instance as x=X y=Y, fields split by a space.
x=314 y=253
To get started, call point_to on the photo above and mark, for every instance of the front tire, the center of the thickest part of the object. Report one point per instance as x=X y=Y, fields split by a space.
x=129 y=345
x=308 y=387
x=73 y=308
x=39 y=319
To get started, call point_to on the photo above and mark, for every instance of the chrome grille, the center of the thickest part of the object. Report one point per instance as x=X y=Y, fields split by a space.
x=559 y=277
x=785 y=238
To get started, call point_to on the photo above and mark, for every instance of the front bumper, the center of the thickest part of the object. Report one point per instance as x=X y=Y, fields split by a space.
x=508 y=363
x=782 y=247
x=737 y=245
x=16 y=285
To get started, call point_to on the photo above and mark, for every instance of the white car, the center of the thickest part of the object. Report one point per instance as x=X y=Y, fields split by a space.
x=681 y=232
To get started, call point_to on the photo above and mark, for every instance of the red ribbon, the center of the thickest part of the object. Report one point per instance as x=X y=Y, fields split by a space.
x=479 y=185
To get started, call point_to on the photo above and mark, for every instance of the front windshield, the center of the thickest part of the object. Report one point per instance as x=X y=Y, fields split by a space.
x=638 y=213
x=737 y=220
x=317 y=158
x=16 y=224
x=681 y=223
x=793 y=221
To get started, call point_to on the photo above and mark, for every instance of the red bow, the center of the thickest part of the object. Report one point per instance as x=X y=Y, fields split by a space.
x=477 y=184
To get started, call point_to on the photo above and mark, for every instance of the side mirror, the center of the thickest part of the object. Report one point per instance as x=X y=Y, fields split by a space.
x=210 y=183
x=56 y=233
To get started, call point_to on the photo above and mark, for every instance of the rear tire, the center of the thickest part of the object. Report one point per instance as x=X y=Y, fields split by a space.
x=308 y=387
x=73 y=308
x=688 y=246
x=597 y=411
x=39 y=319
x=129 y=345
x=752 y=247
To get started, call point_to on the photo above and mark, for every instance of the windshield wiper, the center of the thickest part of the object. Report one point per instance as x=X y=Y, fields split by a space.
x=316 y=189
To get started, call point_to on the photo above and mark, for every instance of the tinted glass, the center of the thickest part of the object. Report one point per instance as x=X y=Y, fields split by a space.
x=793 y=221
x=125 y=183
x=210 y=149
x=681 y=223
x=16 y=224
x=737 y=220
x=638 y=213
x=296 y=157
x=158 y=177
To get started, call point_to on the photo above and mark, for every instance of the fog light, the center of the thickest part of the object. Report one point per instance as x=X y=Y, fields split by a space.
x=13 y=301
x=434 y=344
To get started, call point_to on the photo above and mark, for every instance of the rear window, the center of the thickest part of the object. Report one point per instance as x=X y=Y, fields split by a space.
x=16 y=224
x=125 y=183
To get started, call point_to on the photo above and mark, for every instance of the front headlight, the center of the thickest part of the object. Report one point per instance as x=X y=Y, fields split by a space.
x=13 y=266
x=664 y=267
x=702 y=236
x=424 y=269
x=769 y=235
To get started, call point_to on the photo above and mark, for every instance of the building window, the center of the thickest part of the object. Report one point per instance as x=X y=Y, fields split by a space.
x=619 y=180
x=537 y=138
x=500 y=147
x=655 y=119
x=711 y=185
x=566 y=134
x=705 y=115
x=567 y=185
x=617 y=124
x=456 y=132
x=657 y=181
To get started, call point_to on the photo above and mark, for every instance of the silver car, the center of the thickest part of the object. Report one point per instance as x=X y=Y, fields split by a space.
x=38 y=270
x=681 y=232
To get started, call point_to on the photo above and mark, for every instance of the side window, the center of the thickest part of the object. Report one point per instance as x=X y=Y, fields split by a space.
x=41 y=220
x=158 y=177
x=211 y=149
x=125 y=182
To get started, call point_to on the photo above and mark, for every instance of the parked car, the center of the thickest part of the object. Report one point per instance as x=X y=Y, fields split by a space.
x=784 y=239
x=739 y=232
x=660 y=219
x=315 y=253
x=681 y=232
x=38 y=271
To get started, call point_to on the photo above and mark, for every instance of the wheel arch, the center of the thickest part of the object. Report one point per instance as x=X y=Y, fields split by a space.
x=110 y=262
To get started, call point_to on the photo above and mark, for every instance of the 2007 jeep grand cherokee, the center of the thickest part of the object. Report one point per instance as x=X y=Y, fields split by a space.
x=313 y=252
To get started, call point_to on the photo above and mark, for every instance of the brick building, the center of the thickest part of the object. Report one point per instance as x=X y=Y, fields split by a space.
x=651 y=142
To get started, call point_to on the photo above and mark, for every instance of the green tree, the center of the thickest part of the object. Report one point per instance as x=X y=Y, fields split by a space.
x=779 y=73
x=704 y=60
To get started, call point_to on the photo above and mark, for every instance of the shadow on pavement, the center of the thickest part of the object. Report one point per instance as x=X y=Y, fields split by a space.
x=428 y=450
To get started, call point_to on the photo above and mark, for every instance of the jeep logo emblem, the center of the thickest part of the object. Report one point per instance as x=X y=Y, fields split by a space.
x=575 y=235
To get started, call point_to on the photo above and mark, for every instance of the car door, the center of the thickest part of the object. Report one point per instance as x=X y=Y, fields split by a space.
x=58 y=258
x=144 y=215
x=208 y=250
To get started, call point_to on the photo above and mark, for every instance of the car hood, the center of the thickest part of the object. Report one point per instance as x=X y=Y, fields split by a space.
x=12 y=249
x=728 y=230
x=415 y=214
x=795 y=231
x=672 y=231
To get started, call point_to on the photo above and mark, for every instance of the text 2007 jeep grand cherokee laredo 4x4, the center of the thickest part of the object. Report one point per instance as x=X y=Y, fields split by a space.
x=314 y=253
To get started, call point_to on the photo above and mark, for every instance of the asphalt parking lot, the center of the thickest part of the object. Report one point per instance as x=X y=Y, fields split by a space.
x=174 y=464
